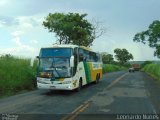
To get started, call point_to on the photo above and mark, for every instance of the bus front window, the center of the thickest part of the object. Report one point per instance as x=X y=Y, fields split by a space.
x=59 y=67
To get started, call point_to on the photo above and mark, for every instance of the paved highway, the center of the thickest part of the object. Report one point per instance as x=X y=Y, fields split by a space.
x=120 y=95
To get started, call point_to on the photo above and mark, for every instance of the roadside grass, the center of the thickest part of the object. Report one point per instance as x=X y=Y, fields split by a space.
x=112 y=68
x=153 y=70
x=16 y=75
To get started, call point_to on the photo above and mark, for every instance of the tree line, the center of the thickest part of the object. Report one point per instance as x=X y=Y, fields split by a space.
x=122 y=56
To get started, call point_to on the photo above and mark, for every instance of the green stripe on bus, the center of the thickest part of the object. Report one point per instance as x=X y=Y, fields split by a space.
x=87 y=72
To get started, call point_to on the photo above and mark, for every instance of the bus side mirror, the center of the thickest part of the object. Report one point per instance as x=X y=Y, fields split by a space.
x=72 y=61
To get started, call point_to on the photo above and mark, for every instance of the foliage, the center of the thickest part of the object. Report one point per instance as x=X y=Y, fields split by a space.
x=126 y=65
x=152 y=36
x=70 y=28
x=145 y=63
x=16 y=74
x=122 y=55
x=112 y=68
x=153 y=70
x=107 y=58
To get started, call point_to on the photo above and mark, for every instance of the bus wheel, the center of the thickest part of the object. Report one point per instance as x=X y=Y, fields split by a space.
x=97 y=79
x=79 y=86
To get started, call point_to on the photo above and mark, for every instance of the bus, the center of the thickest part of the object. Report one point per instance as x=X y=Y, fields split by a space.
x=68 y=67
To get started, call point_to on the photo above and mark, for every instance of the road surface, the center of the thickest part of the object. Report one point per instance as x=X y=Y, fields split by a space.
x=120 y=95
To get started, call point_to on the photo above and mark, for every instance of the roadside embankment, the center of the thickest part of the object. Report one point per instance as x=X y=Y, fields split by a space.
x=153 y=70
x=112 y=68
x=16 y=75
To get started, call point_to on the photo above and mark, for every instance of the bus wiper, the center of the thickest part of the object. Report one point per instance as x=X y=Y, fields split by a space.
x=53 y=66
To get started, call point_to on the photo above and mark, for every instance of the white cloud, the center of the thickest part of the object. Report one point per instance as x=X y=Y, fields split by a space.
x=33 y=41
x=21 y=22
x=19 y=49
x=23 y=42
x=2 y=23
x=24 y=51
x=17 y=33
x=28 y=22
x=17 y=41
x=25 y=25
x=19 y=44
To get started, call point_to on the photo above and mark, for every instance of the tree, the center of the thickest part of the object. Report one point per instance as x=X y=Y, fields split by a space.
x=98 y=28
x=70 y=28
x=107 y=58
x=150 y=36
x=122 y=55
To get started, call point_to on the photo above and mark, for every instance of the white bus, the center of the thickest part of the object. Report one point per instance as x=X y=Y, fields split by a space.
x=68 y=67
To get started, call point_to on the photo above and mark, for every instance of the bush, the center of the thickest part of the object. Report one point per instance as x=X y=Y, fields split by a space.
x=16 y=74
x=112 y=68
x=153 y=70
x=145 y=63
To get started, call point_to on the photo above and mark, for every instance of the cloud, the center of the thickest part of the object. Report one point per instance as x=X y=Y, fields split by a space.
x=20 y=21
x=24 y=22
x=17 y=33
x=19 y=44
x=33 y=41
x=19 y=49
x=23 y=31
x=1 y=23
x=8 y=21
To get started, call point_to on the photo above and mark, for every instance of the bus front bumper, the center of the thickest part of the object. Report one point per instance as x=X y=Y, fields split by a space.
x=55 y=86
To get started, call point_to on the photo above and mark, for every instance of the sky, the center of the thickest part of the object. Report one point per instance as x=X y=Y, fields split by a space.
x=22 y=33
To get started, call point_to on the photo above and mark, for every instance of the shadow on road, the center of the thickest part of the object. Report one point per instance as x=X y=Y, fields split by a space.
x=67 y=92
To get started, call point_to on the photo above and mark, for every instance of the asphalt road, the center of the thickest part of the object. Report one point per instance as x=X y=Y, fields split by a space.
x=120 y=95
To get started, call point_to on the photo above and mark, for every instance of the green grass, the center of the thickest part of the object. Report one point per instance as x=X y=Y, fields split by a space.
x=153 y=70
x=16 y=75
x=112 y=68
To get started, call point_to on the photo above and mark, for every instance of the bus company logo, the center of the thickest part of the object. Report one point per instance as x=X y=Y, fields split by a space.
x=74 y=83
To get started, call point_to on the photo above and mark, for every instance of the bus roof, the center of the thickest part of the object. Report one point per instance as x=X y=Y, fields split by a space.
x=69 y=46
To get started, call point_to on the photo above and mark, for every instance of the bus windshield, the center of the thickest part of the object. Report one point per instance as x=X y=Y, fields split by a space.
x=58 y=67
x=55 y=61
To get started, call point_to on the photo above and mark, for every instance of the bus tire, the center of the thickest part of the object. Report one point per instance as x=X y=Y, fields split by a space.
x=79 y=85
x=97 y=79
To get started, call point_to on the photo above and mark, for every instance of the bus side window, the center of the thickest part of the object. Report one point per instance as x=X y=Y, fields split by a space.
x=81 y=55
x=92 y=57
x=85 y=56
